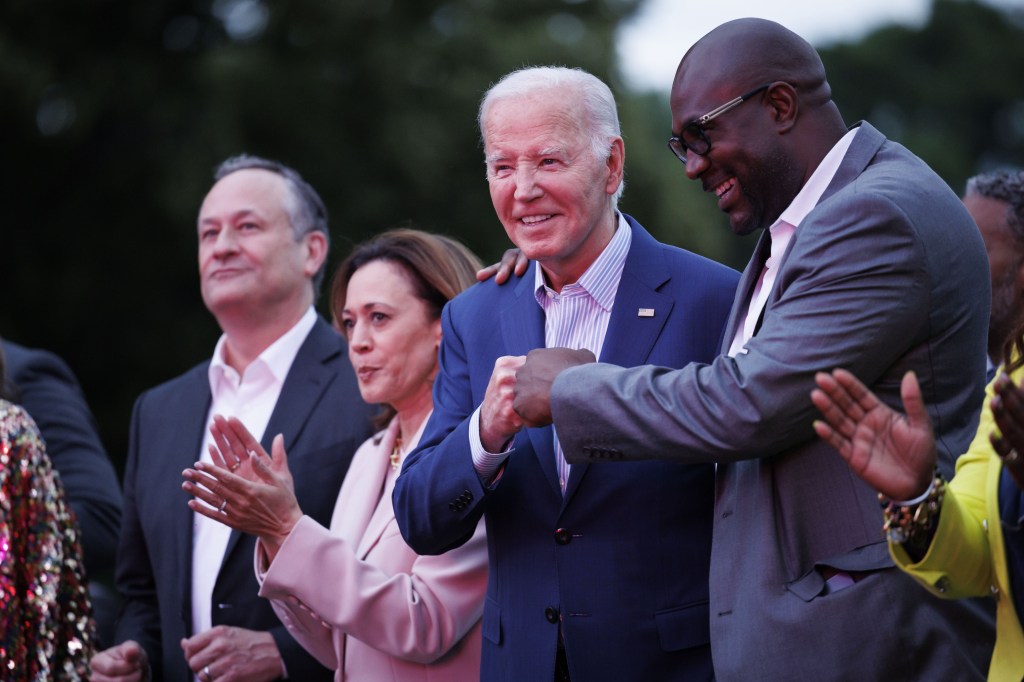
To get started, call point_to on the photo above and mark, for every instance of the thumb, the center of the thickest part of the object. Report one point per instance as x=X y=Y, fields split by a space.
x=277 y=453
x=262 y=466
x=913 y=402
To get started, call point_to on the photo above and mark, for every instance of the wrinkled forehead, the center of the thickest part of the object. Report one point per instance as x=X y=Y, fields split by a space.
x=541 y=119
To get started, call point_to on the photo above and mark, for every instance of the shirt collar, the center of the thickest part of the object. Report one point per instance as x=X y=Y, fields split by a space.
x=808 y=196
x=277 y=357
x=601 y=279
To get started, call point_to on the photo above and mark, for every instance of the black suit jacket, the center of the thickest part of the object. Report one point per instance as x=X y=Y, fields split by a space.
x=323 y=420
x=51 y=395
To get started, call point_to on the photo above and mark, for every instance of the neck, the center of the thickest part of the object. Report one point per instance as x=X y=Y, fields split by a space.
x=245 y=338
x=411 y=417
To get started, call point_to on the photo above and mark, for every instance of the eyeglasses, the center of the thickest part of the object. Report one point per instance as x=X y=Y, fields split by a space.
x=694 y=138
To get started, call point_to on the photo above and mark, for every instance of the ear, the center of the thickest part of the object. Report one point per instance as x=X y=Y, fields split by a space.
x=435 y=332
x=616 y=163
x=785 y=105
x=316 y=251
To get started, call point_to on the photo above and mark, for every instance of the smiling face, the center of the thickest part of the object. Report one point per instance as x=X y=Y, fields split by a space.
x=551 y=194
x=392 y=337
x=747 y=167
x=250 y=263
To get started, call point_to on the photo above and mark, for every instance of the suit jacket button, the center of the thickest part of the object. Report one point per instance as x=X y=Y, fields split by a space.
x=563 y=536
x=551 y=614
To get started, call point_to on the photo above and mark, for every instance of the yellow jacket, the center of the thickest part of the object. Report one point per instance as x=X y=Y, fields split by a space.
x=966 y=557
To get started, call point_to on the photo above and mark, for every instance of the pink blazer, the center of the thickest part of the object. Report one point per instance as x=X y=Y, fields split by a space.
x=366 y=605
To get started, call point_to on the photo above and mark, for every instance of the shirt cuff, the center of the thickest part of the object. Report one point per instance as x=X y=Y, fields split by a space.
x=487 y=464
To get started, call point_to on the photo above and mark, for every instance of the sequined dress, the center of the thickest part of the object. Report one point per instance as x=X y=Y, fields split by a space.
x=46 y=632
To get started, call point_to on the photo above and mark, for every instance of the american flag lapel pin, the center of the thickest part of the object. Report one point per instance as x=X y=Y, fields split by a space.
x=645 y=312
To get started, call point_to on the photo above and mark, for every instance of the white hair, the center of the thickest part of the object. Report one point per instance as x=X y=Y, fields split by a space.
x=596 y=104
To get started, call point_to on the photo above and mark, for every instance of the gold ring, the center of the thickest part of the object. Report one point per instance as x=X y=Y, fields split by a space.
x=223 y=506
x=237 y=464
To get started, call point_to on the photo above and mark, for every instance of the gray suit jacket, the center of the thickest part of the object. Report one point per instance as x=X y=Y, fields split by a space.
x=887 y=274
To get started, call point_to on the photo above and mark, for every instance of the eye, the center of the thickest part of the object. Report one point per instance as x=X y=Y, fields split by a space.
x=549 y=161
x=208 y=233
x=500 y=170
x=248 y=227
x=377 y=317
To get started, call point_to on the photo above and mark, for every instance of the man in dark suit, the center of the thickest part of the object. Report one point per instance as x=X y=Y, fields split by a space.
x=873 y=265
x=596 y=572
x=49 y=392
x=192 y=608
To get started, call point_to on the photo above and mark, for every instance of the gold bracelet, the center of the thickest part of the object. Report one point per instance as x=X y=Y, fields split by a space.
x=914 y=524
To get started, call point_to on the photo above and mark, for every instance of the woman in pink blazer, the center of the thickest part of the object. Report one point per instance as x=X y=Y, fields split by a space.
x=355 y=595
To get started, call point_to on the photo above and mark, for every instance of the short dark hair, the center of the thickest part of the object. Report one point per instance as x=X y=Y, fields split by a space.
x=1006 y=186
x=306 y=210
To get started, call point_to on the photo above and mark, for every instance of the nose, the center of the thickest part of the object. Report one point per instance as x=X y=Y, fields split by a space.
x=526 y=184
x=695 y=165
x=226 y=243
x=359 y=337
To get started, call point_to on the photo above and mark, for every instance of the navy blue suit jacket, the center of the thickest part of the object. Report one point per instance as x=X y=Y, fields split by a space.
x=50 y=393
x=621 y=561
x=323 y=421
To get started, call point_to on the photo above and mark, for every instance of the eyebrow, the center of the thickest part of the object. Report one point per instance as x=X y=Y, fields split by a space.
x=547 y=151
x=242 y=213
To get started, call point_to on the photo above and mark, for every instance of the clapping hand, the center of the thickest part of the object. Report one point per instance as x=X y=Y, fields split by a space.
x=257 y=497
x=1008 y=410
x=894 y=453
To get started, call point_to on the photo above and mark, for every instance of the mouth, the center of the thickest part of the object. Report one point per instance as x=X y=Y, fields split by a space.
x=364 y=373
x=535 y=219
x=723 y=191
x=224 y=273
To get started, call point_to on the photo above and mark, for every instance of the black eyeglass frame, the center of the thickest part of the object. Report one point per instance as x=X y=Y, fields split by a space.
x=699 y=143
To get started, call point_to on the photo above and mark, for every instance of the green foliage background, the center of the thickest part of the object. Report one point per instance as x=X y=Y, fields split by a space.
x=116 y=112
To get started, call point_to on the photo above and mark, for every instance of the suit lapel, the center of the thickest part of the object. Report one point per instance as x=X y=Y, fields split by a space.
x=368 y=525
x=630 y=337
x=863 y=149
x=522 y=329
x=745 y=290
x=190 y=427
x=308 y=378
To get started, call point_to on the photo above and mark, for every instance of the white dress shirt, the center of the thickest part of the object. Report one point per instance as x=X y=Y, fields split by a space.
x=251 y=398
x=782 y=231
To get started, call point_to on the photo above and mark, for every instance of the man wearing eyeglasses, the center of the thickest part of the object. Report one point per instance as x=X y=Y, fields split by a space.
x=867 y=261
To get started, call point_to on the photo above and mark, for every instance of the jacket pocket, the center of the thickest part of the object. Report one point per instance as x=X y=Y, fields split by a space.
x=867 y=559
x=684 y=626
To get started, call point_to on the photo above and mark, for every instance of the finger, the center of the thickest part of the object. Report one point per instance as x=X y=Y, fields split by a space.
x=247 y=440
x=522 y=264
x=216 y=457
x=229 y=445
x=832 y=437
x=913 y=401
x=279 y=456
x=855 y=392
x=1011 y=428
x=484 y=274
x=200 y=493
x=836 y=406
